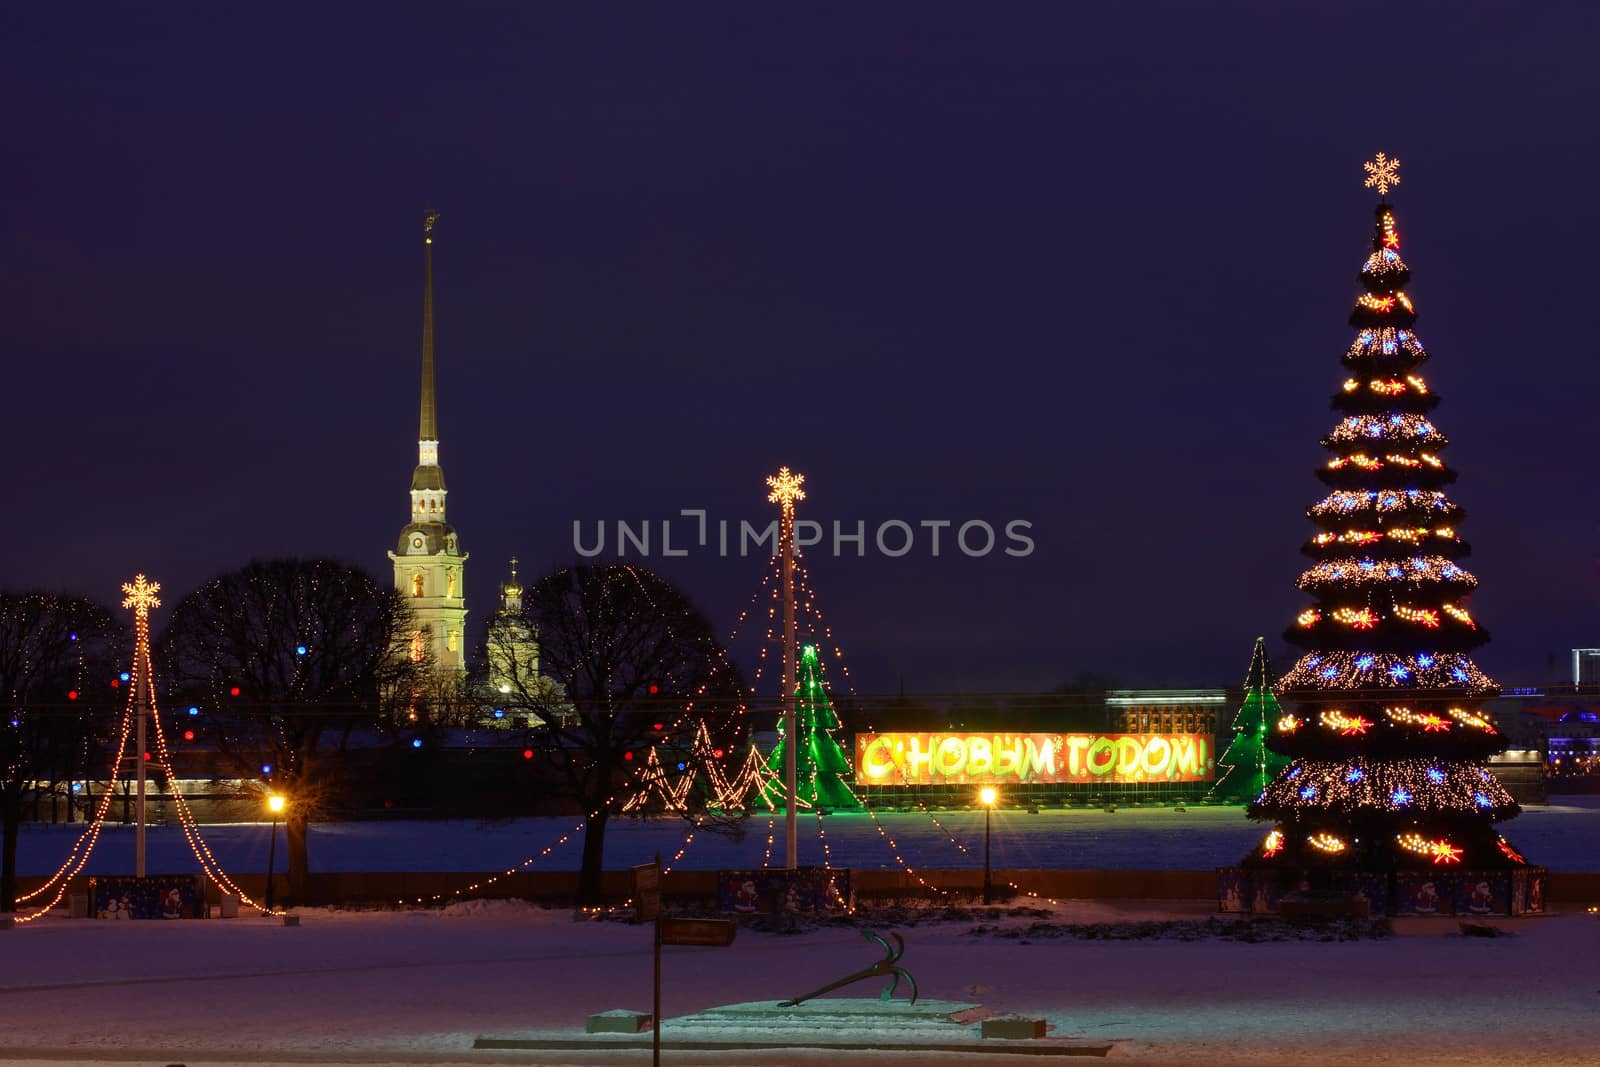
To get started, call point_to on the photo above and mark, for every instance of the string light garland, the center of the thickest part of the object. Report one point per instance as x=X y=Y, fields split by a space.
x=1354 y=573
x=1449 y=671
x=1413 y=786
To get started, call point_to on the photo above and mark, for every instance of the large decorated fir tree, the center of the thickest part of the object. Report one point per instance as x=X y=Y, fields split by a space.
x=1387 y=730
x=1250 y=763
x=822 y=771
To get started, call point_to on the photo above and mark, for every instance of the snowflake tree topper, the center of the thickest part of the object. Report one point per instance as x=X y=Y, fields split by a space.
x=785 y=488
x=1382 y=172
x=141 y=595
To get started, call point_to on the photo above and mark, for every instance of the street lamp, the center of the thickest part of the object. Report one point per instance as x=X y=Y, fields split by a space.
x=275 y=805
x=987 y=796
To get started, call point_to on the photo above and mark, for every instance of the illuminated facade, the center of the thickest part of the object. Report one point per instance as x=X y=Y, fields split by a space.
x=429 y=566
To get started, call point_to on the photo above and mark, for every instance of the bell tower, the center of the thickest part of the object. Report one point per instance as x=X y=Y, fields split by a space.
x=428 y=561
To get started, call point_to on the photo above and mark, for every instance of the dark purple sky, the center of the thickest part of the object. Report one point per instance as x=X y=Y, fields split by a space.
x=1084 y=267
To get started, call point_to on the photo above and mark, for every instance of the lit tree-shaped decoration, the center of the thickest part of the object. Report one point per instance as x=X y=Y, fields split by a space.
x=823 y=771
x=1387 y=731
x=1251 y=765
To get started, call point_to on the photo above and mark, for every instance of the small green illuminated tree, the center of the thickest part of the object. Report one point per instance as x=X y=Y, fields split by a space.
x=1251 y=765
x=822 y=770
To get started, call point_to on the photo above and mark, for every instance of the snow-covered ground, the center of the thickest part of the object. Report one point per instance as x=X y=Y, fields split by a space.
x=1564 y=837
x=419 y=986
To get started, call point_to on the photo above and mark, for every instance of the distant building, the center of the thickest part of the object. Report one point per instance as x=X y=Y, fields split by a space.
x=1586 y=666
x=1168 y=711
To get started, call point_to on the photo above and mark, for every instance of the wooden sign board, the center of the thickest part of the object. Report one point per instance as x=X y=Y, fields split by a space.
x=714 y=932
x=647 y=891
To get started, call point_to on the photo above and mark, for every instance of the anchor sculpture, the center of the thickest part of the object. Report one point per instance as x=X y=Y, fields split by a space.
x=888 y=966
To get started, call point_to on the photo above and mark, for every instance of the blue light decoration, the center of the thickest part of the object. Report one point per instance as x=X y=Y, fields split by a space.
x=1419 y=564
x=1395 y=572
x=1312 y=661
x=1396 y=419
x=1389 y=500
x=1330 y=672
x=77 y=787
x=73 y=636
x=499 y=713
x=1459 y=675
x=266 y=768
x=299 y=650
x=15 y=723
x=680 y=765
x=1366 y=565
x=1424 y=660
x=1308 y=792
x=1450 y=570
x=1400 y=670
x=1354 y=774
x=193 y=710
x=1375 y=430
x=1482 y=800
x=416 y=742
x=1436 y=776
x=1294 y=772
x=124 y=676
x=1400 y=797
x=1363 y=663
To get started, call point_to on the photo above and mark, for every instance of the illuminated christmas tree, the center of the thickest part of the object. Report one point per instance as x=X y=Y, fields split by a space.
x=823 y=771
x=1387 y=730
x=1251 y=765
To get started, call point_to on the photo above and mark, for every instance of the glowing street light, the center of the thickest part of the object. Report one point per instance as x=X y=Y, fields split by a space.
x=987 y=796
x=275 y=805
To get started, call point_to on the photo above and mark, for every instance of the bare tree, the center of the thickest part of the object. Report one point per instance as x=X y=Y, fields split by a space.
x=290 y=661
x=628 y=664
x=56 y=655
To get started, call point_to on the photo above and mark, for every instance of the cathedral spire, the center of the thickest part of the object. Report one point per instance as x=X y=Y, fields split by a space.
x=428 y=429
x=429 y=565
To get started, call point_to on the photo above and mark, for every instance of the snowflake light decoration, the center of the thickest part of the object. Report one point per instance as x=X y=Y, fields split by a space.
x=1382 y=172
x=140 y=595
x=785 y=488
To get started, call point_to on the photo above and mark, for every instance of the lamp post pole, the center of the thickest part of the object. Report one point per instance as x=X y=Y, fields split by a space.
x=274 y=805
x=987 y=796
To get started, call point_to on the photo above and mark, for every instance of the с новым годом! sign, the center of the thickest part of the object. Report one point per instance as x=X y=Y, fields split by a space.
x=1025 y=759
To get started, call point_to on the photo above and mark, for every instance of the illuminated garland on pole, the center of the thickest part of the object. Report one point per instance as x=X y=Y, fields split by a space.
x=1386 y=730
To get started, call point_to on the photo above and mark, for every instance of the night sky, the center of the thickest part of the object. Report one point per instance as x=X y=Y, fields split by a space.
x=1084 y=267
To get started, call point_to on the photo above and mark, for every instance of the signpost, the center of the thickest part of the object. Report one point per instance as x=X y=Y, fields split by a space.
x=647 y=908
x=717 y=933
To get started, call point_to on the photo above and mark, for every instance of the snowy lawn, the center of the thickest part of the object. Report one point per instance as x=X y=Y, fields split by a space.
x=418 y=986
x=1564 y=837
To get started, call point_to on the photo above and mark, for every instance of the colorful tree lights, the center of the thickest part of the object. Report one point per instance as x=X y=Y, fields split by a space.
x=1382 y=729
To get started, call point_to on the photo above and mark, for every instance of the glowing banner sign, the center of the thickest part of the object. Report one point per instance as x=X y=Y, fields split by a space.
x=1026 y=759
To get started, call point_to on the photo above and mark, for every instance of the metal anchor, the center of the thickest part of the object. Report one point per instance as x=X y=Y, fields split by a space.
x=888 y=966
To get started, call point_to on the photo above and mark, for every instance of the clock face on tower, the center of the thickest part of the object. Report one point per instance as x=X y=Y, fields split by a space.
x=416 y=542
